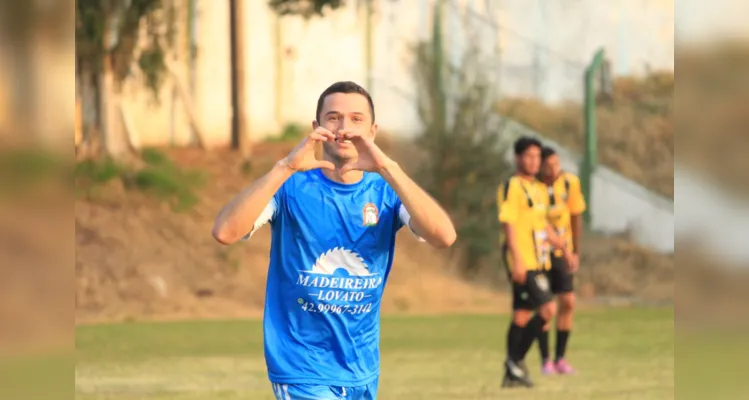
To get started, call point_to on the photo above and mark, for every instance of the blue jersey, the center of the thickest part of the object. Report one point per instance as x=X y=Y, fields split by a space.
x=331 y=253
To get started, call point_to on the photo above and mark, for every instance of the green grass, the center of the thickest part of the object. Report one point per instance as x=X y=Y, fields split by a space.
x=711 y=361
x=620 y=353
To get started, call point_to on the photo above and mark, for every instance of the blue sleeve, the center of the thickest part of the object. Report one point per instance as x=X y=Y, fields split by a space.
x=279 y=202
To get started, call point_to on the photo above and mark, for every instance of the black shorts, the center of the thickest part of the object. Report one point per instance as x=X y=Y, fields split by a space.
x=535 y=292
x=560 y=278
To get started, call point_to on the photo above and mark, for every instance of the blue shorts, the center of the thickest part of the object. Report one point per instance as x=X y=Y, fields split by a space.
x=284 y=391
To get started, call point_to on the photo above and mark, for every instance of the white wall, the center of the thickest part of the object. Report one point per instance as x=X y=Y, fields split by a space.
x=546 y=45
x=166 y=122
x=542 y=47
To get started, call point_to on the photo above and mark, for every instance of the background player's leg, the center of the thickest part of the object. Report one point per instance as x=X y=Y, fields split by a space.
x=547 y=366
x=515 y=373
x=520 y=319
x=564 y=328
x=541 y=298
x=535 y=326
x=557 y=282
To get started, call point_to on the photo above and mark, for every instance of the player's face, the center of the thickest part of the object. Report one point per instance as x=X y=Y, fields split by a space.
x=345 y=112
x=551 y=167
x=529 y=163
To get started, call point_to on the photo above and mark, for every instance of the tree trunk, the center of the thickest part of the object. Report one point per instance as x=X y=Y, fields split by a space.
x=240 y=135
x=115 y=141
x=187 y=101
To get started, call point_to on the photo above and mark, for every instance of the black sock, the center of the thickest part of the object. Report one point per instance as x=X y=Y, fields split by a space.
x=514 y=336
x=534 y=327
x=543 y=345
x=562 y=337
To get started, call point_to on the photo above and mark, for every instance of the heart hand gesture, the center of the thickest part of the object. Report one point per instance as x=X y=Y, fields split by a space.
x=302 y=158
x=370 y=157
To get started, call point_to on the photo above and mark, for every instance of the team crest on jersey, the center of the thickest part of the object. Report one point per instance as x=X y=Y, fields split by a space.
x=542 y=282
x=369 y=215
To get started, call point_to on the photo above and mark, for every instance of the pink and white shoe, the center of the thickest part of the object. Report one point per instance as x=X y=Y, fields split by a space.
x=562 y=367
x=548 y=368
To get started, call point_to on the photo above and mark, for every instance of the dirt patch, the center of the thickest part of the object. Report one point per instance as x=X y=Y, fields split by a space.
x=36 y=263
x=615 y=267
x=137 y=259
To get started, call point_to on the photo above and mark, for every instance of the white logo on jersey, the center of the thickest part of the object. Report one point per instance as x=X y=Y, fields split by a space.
x=339 y=295
x=340 y=258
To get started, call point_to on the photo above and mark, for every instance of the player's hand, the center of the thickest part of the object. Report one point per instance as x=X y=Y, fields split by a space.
x=371 y=157
x=302 y=158
x=518 y=274
x=573 y=262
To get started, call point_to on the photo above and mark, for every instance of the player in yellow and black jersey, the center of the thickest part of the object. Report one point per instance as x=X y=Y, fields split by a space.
x=528 y=240
x=566 y=205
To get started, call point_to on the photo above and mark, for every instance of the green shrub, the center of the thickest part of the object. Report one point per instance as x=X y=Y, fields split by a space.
x=463 y=154
x=291 y=132
x=160 y=178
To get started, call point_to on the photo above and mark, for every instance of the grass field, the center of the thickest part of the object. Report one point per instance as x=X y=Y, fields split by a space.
x=619 y=353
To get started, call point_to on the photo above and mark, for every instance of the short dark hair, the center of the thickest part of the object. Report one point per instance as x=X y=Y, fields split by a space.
x=344 y=87
x=524 y=143
x=547 y=152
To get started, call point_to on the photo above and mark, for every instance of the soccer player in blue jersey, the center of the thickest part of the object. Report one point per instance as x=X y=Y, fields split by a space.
x=333 y=224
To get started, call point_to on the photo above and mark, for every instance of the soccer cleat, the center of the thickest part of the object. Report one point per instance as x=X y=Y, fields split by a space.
x=509 y=382
x=548 y=368
x=515 y=375
x=562 y=367
x=523 y=367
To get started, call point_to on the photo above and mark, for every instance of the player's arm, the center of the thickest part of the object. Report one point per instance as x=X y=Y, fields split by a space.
x=256 y=205
x=576 y=205
x=251 y=208
x=556 y=241
x=509 y=210
x=577 y=228
x=427 y=219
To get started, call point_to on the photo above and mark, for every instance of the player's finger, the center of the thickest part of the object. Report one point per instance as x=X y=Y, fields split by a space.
x=349 y=134
x=325 y=133
x=318 y=137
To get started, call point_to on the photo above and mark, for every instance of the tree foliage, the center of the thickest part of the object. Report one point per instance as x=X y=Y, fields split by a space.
x=114 y=28
x=304 y=8
x=462 y=141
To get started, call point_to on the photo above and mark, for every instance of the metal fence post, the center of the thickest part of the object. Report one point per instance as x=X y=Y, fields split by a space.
x=587 y=169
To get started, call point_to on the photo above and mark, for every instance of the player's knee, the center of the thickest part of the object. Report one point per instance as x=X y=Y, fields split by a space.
x=548 y=310
x=566 y=303
x=521 y=317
